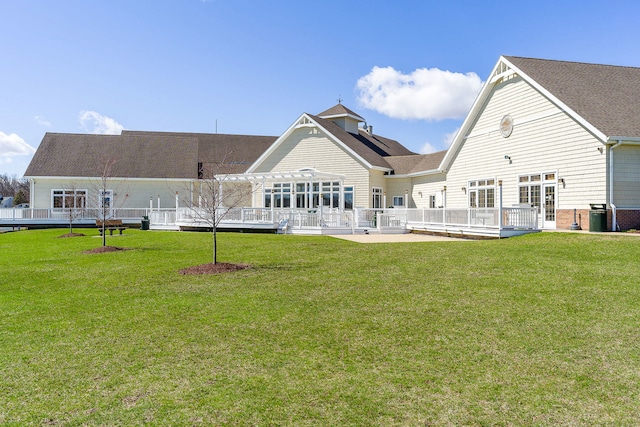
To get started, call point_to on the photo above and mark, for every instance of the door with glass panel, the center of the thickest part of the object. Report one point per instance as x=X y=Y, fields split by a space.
x=549 y=215
x=539 y=191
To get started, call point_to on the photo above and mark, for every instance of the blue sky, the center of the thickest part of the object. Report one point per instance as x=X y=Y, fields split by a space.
x=411 y=68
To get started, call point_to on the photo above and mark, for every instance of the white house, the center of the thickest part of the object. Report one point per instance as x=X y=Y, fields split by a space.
x=556 y=135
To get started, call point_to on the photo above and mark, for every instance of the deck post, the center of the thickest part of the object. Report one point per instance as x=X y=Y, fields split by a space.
x=499 y=206
x=353 y=222
x=444 y=205
x=273 y=213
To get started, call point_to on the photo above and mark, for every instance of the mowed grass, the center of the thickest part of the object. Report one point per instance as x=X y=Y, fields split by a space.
x=536 y=330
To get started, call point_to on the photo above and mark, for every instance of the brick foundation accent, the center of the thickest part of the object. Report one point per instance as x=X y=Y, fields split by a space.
x=627 y=218
x=564 y=218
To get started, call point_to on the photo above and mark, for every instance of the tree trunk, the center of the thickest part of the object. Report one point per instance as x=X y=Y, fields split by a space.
x=215 y=245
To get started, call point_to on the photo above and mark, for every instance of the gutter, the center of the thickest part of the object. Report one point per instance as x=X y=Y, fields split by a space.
x=415 y=174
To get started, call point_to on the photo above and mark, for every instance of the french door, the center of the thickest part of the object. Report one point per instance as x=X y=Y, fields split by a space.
x=549 y=211
x=539 y=190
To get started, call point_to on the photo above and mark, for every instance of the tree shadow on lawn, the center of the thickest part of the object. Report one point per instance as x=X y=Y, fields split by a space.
x=71 y=235
x=211 y=268
x=105 y=249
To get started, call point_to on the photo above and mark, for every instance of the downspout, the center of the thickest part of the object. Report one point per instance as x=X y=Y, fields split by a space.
x=614 y=221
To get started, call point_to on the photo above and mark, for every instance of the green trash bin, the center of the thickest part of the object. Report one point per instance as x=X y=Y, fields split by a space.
x=598 y=217
x=144 y=224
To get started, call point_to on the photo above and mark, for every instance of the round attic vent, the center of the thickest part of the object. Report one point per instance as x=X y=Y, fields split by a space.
x=506 y=126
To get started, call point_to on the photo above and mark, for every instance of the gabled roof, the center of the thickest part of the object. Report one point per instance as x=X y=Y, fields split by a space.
x=370 y=150
x=340 y=110
x=143 y=154
x=606 y=96
x=605 y=99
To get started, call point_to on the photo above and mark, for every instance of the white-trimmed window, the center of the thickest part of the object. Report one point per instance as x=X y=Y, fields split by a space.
x=348 y=198
x=376 y=199
x=539 y=190
x=308 y=195
x=280 y=193
x=398 y=201
x=66 y=199
x=106 y=199
x=482 y=193
x=529 y=187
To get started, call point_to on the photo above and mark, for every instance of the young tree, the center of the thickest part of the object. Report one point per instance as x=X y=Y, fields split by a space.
x=216 y=194
x=103 y=202
x=75 y=203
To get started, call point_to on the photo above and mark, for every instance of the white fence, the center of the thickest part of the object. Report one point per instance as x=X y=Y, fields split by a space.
x=66 y=214
x=304 y=219
x=324 y=220
x=488 y=218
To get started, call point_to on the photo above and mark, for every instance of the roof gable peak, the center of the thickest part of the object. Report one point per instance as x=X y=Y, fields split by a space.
x=340 y=110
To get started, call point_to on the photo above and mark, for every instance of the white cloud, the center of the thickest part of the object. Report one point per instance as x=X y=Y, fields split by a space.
x=427 y=148
x=42 y=121
x=426 y=93
x=96 y=123
x=449 y=137
x=12 y=145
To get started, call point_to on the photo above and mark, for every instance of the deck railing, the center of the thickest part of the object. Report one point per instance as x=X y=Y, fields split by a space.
x=514 y=218
x=75 y=214
x=303 y=218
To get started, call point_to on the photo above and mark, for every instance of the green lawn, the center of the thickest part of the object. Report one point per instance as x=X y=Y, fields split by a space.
x=536 y=330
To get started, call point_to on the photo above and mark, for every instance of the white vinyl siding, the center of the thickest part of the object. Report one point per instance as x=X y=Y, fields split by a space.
x=129 y=193
x=397 y=187
x=377 y=180
x=626 y=172
x=425 y=187
x=309 y=149
x=544 y=138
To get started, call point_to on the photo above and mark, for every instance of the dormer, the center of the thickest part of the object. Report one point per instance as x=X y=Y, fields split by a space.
x=343 y=117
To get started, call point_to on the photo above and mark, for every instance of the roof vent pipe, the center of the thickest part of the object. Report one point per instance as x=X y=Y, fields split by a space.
x=370 y=130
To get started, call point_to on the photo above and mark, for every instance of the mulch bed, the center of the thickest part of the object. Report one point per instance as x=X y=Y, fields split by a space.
x=71 y=235
x=105 y=249
x=211 y=268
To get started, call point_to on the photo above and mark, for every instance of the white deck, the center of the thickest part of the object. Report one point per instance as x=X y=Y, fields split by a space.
x=490 y=222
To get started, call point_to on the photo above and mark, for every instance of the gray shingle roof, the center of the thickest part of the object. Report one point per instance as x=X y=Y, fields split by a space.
x=372 y=148
x=607 y=96
x=404 y=165
x=340 y=110
x=143 y=154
